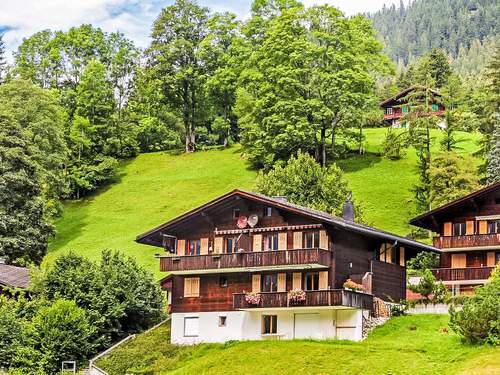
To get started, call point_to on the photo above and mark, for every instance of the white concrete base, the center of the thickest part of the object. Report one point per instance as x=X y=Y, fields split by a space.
x=247 y=325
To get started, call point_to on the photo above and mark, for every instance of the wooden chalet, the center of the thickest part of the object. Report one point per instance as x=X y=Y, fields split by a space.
x=234 y=261
x=468 y=235
x=396 y=108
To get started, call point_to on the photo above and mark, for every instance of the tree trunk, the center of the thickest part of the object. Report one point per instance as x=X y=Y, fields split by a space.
x=323 y=146
x=334 y=128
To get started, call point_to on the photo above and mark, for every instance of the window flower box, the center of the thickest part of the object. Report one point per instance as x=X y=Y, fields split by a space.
x=252 y=298
x=297 y=296
x=351 y=285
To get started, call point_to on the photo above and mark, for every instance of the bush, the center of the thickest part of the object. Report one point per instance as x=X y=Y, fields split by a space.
x=395 y=144
x=57 y=333
x=479 y=319
x=10 y=332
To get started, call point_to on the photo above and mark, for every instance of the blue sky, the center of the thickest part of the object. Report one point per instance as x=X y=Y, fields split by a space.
x=21 y=18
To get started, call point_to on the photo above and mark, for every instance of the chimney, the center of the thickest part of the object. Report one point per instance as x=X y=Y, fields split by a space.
x=348 y=209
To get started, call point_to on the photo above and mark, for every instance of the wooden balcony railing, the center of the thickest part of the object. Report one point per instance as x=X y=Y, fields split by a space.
x=457 y=274
x=473 y=240
x=333 y=297
x=246 y=259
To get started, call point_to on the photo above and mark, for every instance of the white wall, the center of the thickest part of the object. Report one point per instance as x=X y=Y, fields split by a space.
x=246 y=325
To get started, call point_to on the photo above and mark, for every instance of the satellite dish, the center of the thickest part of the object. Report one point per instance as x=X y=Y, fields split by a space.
x=253 y=220
x=242 y=222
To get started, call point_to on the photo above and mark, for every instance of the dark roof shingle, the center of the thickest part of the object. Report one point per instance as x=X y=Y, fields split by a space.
x=13 y=276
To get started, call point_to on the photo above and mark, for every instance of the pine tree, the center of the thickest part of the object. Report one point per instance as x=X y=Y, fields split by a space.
x=3 y=62
x=493 y=159
x=24 y=228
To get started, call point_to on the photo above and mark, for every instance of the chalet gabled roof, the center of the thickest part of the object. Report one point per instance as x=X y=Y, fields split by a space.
x=300 y=210
x=425 y=220
x=13 y=276
x=403 y=93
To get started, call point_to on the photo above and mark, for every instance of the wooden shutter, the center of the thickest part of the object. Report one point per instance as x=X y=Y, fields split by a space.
x=469 y=227
x=323 y=239
x=204 y=246
x=323 y=280
x=181 y=247
x=256 y=283
x=257 y=242
x=402 y=261
x=447 y=229
x=218 y=245
x=490 y=259
x=388 y=254
x=297 y=280
x=381 y=256
x=192 y=287
x=483 y=227
x=281 y=282
x=458 y=260
x=282 y=241
x=297 y=240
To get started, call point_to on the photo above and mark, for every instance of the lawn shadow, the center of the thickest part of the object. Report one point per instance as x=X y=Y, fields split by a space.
x=356 y=163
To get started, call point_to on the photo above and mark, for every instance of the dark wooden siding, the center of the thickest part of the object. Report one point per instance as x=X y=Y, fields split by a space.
x=388 y=281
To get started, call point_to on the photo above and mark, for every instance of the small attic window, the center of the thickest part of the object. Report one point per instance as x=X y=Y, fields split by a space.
x=236 y=213
x=268 y=211
x=497 y=200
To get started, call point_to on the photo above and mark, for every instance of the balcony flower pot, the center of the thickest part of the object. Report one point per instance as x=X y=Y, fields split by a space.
x=296 y=296
x=352 y=286
x=252 y=298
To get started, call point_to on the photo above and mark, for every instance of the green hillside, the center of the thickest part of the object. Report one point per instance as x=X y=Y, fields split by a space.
x=156 y=187
x=421 y=344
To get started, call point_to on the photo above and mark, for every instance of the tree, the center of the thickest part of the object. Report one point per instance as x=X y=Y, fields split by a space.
x=303 y=181
x=57 y=333
x=42 y=119
x=3 y=62
x=424 y=260
x=118 y=296
x=426 y=286
x=451 y=177
x=10 y=332
x=24 y=226
x=173 y=58
x=395 y=144
x=493 y=159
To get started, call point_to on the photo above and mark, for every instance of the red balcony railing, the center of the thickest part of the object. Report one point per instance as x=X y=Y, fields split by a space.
x=473 y=240
x=459 y=274
x=246 y=259
x=332 y=297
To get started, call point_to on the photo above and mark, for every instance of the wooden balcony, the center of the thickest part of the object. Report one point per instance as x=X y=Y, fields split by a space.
x=314 y=298
x=474 y=240
x=459 y=274
x=257 y=260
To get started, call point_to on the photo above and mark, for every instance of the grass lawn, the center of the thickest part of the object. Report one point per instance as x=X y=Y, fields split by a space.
x=152 y=189
x=405 y=345
x=156 y=187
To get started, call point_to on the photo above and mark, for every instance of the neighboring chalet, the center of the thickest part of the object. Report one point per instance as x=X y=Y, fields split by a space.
x=396 y=108
x=468 y=236
x=244 y=242
x=12 y=277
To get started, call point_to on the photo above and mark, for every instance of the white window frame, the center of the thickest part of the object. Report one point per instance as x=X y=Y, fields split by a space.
x=197 y=330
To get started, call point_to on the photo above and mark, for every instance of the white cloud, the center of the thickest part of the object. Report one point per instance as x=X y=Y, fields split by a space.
x=134 y=18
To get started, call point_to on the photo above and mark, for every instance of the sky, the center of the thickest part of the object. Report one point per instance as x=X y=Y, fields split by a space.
x=21 y=18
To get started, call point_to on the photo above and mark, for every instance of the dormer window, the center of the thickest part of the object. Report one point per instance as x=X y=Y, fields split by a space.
x=268 y=211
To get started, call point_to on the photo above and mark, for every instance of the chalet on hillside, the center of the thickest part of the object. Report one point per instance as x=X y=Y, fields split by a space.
x=397 y=107
x=234 y=262
x=13 y=277
x=468 y=235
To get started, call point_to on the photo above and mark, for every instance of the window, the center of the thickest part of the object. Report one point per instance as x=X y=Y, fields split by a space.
x=271 y=242
x=231 y=244
x=192 y=287
x=311 y=240
x=405 y=109
x=269 y=324
x=270 y=283
x=193 y=247
x=236 y=212
x=222 y=321
x=389 y=111
x=312 y=281
x=497 y=200
x=497 y=257
x=494 y=227
x=223 y=281
x=459 y=229
x=268 y=211
x=191 y=326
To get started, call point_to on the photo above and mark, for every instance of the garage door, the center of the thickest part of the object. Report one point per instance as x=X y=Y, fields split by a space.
x=306 y=326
